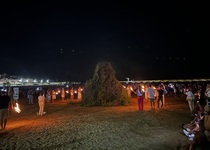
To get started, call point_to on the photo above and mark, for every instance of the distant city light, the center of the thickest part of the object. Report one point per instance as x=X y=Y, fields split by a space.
x=5 y=90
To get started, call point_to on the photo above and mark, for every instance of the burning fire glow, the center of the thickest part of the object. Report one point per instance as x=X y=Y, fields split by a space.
x=142 y=87
x=17 y=109
x=132 y=90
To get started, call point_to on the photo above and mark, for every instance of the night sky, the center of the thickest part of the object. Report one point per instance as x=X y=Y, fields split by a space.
x=64 y=40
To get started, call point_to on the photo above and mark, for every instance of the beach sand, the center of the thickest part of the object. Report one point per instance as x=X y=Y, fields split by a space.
x=69 y=126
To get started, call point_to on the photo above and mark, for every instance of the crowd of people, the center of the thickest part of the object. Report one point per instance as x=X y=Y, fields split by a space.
x=198 y=130
x=41 y=96
x=51 y=93
x=193 y=94
x=157 y=92
x=151 y=92
x=190 y=129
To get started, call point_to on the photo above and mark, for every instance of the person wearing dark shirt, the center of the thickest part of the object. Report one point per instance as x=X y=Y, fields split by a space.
x=160 y=96
x=201 y=95
x=5 y=104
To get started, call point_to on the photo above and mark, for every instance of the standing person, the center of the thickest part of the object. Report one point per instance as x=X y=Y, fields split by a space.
x=151 y=96
x=53 y=96
x=79 y=93
x=140 y=98
x=160 y=96
x=41 y=102
x=63 y=94
x=30 y=97
x=72 y=93
x=75 y=94
x=201 y=95
x=145 y=95
x=49 y=95
x=165 y=92
x=10 y=94
x=190 y=100
x=5 y=104
x=207 y=94
x=129 y=90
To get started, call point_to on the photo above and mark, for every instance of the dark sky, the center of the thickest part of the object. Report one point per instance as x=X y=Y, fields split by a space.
x=64 y=40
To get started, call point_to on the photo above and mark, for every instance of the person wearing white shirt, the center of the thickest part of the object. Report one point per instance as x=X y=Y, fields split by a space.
x=190 y=100
x=151 y=96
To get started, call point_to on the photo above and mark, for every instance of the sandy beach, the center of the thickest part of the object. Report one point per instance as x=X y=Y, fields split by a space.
x=69 y=126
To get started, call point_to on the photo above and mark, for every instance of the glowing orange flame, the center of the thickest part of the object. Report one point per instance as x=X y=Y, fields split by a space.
x=17 y=109
x=131 y=89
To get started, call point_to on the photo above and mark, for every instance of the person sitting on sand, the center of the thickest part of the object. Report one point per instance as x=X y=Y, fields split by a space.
x=201 y=139
x=200 y=142
x=193 y=127
x=199 y=116
x=190 y=133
